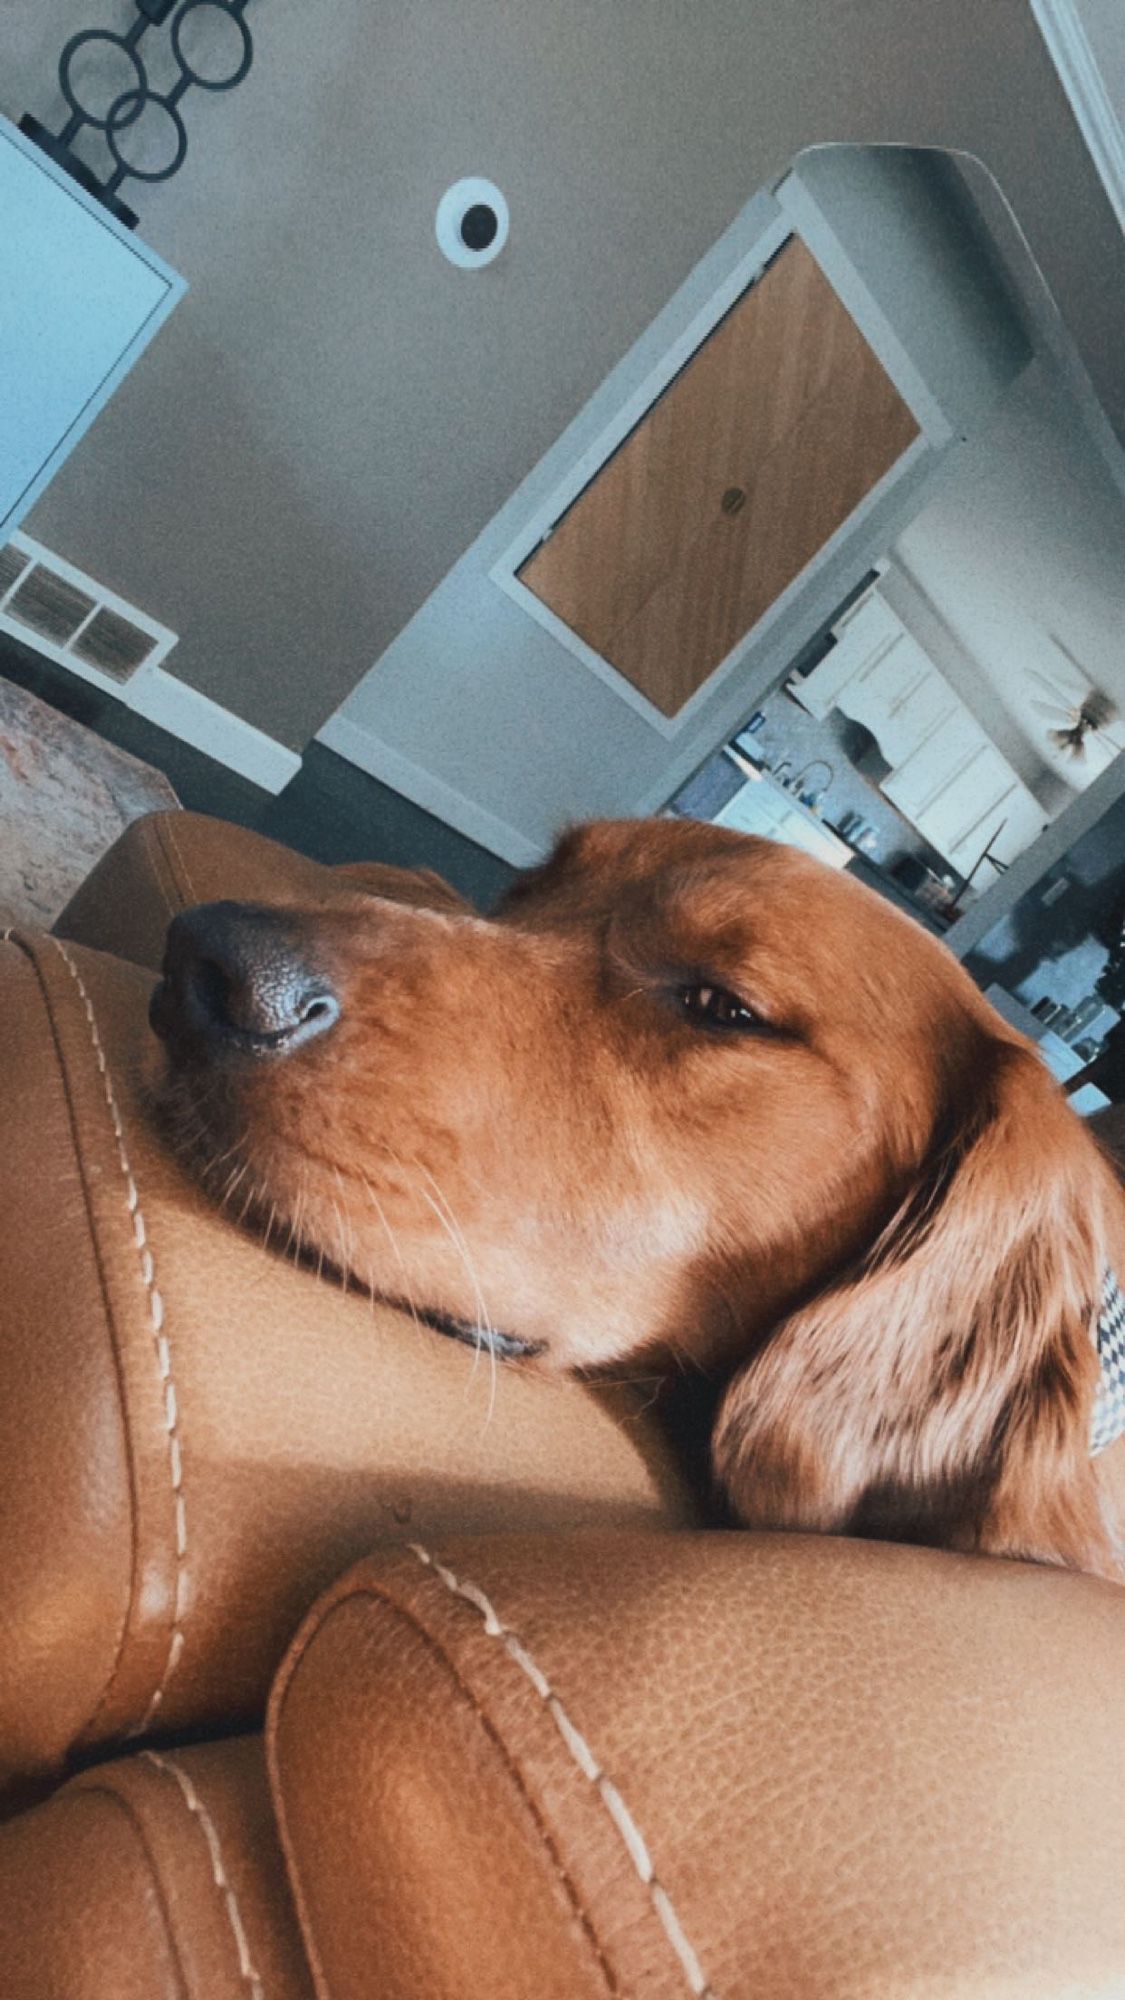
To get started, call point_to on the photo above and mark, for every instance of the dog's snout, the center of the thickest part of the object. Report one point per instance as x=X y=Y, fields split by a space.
x=237 y=977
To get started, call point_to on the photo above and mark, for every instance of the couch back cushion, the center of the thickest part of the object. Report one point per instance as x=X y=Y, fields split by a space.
x=195 y=1435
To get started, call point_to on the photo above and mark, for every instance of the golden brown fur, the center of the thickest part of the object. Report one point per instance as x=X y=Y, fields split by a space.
x=869 y=1213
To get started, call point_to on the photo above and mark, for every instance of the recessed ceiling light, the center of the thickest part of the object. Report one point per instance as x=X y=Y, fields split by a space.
x=472 y=222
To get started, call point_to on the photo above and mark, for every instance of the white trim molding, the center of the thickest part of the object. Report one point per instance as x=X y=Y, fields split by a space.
x=369 y=753
x=184 y=712
x=1061 y=26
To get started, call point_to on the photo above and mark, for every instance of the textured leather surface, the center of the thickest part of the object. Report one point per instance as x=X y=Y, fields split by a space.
x=166 y=862
x=65 y=1476
x=151 y=1879
x=855 y=1770
x=195 y=1436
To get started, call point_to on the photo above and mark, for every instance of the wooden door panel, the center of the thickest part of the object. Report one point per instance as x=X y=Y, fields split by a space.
x=725 y=407
x=736 y=567
x=785 y=407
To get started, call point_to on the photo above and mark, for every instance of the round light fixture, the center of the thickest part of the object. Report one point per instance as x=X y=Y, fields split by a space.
x=472 y=223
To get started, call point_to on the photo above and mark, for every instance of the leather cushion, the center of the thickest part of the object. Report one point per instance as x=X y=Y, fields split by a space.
x=725 y=1764
x=155 y=1878
x=167 y=862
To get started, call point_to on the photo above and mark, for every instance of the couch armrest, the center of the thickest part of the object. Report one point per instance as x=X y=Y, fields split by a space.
x=719 y=1764
x=195 y=1436
x=168 y=862
x=160 y=1875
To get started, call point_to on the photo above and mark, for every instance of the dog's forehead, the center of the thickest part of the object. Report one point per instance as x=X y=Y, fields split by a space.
x=689 y=872
x=803 y=935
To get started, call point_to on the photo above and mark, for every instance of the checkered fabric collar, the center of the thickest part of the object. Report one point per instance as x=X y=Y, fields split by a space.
x=1109 y=1408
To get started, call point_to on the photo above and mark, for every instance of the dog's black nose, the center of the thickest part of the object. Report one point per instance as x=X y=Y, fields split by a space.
x=237 y=979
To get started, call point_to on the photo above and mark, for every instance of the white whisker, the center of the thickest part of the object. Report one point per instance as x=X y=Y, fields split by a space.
x=347 y=1254
x=456 y=1236
x=396 y=1247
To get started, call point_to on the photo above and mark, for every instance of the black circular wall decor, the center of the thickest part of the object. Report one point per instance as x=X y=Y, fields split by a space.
x=141 y=127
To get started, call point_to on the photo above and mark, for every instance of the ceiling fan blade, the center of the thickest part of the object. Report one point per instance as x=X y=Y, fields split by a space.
x=1071 y=742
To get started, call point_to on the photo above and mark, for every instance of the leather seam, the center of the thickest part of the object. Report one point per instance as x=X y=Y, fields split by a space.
x=161 y=867
x=569 y=1887
x=187 y=889
x=162 y=1355
x=611 y=1799
x=10 y=936
x=248 y=1972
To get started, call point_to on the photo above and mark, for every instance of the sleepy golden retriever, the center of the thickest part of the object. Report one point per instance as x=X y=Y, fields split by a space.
x=688 y=1096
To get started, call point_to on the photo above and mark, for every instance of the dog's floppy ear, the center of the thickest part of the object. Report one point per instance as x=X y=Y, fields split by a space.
x=942 y=1391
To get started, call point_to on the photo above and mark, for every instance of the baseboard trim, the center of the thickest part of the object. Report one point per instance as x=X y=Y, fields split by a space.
x=369 y=754
x=184 y=712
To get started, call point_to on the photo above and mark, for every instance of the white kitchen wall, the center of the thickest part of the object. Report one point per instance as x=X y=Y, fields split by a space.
x=1017 y=565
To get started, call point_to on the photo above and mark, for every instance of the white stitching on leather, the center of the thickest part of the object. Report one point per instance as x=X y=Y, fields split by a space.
x=250 y=1977
x=161 y=1350
x=627 y=1829
x=167 y=821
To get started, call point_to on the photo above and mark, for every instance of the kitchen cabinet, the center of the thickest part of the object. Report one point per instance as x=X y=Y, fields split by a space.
x=763 y=807
x=963 y=795
x=860 y=640
x=947 y=778
x=879 y=675
x=929 y=784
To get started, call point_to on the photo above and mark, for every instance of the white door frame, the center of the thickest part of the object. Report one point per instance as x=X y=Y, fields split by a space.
x=795 y=213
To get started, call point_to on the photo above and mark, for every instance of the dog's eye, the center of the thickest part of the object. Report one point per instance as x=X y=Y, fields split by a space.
x=718 y=1007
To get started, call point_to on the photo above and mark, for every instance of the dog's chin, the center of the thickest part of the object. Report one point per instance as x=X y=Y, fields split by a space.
x=207 y=1145
x=199 y=1127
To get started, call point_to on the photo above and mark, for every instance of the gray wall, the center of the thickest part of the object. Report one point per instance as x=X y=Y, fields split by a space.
x=1021 y=556
x=334 y=413
x=904 y=219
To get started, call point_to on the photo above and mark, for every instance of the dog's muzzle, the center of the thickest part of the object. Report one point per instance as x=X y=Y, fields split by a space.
x=237 y=982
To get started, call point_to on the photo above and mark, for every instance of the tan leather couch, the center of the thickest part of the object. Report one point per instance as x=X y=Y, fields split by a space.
x=531 y=1727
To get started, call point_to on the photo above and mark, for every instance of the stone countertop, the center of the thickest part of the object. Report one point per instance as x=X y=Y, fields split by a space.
x=65 y=796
